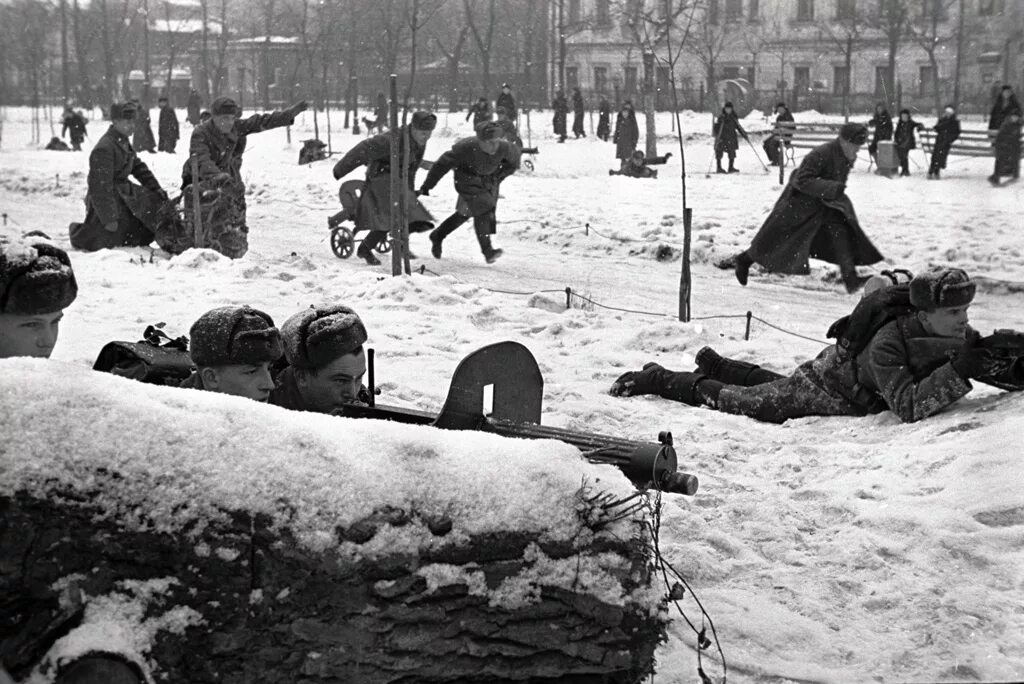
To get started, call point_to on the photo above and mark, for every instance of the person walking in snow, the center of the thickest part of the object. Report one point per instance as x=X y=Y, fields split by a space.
x=75 y=123
x=813 y=217
x=119 y=213
x=905 y=140
x=882 y=124
x=233 y=348
x=36 y=284
x=1007 y=149
x=142 y=137
x=604 y=115
x=914 y=363
x=506 y=100
x=374 y=213
x=194 y=107
x=561 y=107
x=167 y=126
x=947 y=130
x=480 y=164
x=726 y=130
x=627 y=133
x=579 y=108
x=326 y=361
x=1005 y=105
x=480 y=111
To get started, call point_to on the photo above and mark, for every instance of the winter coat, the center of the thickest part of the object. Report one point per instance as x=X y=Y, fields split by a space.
x=561 y=107
x=480 y=111
x=74 y=122
x=781 y=122
x=1007 y=149
x=904 y=137
x=374 y=153
x=286 y=392
x=509 y=132
x=903 y=369
x=143 y=140
x=627 y=134
x=1000 y=111
x=814 y=197
x=509 y=103
x=111 y=197
x=216 y=152
x=193 y=108
x=167 y=129
x=727 y=130
x=604 y=113
x=477 y=174
x=578 y=110
x=380 y=112
x=882 y=123
x=947 y=130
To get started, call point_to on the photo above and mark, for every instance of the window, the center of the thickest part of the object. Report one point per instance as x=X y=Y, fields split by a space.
x=988 y=8
x=602 y=13
x=572 y=77
x=883 y=87
x=601 y=79
x=846 y=9
x=629 y=76
x=840 y=80
x=733 y=10
x=805 y=10
x=802 y=78
x=926 y=80
x=712 y=12
x=574 y=11
x=754 y=12
x=730 y=72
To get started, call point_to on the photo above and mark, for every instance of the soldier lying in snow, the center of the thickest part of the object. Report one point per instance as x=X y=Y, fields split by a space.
x=913 y=360
x=637 y=166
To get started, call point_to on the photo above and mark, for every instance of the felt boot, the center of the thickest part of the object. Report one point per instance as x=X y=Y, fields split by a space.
x=742 y=267
x=695 y=389
x=650 y=380
x=730 y=371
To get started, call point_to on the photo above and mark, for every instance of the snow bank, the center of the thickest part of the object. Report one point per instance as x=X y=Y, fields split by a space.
x=169 y=459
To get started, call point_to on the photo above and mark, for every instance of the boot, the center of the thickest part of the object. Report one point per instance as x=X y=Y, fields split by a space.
x=742 y=267
x=730 y=371
x=490 y=253
x=732 y=165
x=851 y=280
x=719 y=168
x=367 y=255
x=650 y=380
x=694 y=389
x=435 y=244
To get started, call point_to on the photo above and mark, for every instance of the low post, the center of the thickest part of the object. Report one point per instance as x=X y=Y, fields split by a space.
x=685 y=281
x=568 y=298
x=396 y=180
x=746 y=333
x=782 y=161
x=198 y=237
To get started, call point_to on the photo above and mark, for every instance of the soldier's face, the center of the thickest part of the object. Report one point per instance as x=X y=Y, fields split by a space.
x=224 y=122
x=950 y=321
x=29 y=335
x=125 y=126
x=336 y=384
x=251 y=381
x=489 y=146
x=421 y=137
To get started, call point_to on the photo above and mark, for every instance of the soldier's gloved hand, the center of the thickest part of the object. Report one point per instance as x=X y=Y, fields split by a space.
x=971 y=360
x=110 y=227
x=298 y=108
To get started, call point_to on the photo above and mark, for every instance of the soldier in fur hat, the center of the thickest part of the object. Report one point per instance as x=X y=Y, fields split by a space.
x=914 y=363
x=119 y=213
x=36 y=284
x=480 y=164
x=813 y=217
x=233 y=348
x=324 y=350
x=374 y=213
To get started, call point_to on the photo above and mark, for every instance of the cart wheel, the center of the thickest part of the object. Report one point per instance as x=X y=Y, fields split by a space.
x=342 y=242
x=528 y=164
x=384 y=246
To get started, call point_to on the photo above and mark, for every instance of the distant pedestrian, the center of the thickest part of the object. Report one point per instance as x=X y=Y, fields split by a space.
x=561 y=107
x=726 y=129
x=604 y=115
x=167 y=126
x=579 y=108
x=1007 y=148
x=74 y=123
x=882 y=123
x=627 y=134
x=947 y=130
x=506 y=100
x=480 y=111
x=1006 y=104
x=905 y=140
x=194 y=107
x=783 y=135
x=142 y=139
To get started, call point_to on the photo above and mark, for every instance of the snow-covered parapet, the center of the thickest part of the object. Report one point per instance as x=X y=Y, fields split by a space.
x=297 y=542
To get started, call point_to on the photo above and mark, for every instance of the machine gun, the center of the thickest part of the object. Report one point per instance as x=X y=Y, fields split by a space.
x=517 y=390
x=1004 y=343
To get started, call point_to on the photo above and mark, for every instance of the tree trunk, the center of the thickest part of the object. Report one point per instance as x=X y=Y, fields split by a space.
x=108 y=57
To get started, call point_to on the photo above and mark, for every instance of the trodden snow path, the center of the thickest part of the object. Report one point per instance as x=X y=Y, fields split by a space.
x=835 y=549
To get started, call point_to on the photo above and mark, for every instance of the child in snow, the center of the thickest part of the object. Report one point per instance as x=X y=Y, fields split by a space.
x=914 y=361
x=905 y=140
x=36 y=284
x=233 y=348
x=638 y=166
x=947 y=130
x=726 y=128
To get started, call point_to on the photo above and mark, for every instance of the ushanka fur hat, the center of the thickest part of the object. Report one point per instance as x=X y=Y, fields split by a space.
x=35 y=278
x=941 y=288
x=854 y=133
x=315 y=337
x=234 y=335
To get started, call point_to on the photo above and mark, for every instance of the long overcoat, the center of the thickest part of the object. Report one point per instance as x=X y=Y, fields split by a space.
x=217 y=152
x=814 y=197
x=375 y=203
x=947 y=130
x=477 y=173
x=1007 y=148
x=167 y=129
x=627 y=134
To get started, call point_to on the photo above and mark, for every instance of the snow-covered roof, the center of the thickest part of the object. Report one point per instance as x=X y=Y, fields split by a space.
x=273 y=40
x=183 y=26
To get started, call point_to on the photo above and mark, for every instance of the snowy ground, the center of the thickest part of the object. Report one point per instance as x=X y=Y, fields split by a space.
x=834 y=549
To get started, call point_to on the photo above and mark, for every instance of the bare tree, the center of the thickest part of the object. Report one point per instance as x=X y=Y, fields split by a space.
x=178 y=37
x=452 y=55
x=782 y=50
x=482 y=37
x=892 y=21
x=845 y=31
x=82 y=60
x=707 y=41
x=419 y=14
x=391 y=19
x=927 y=31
